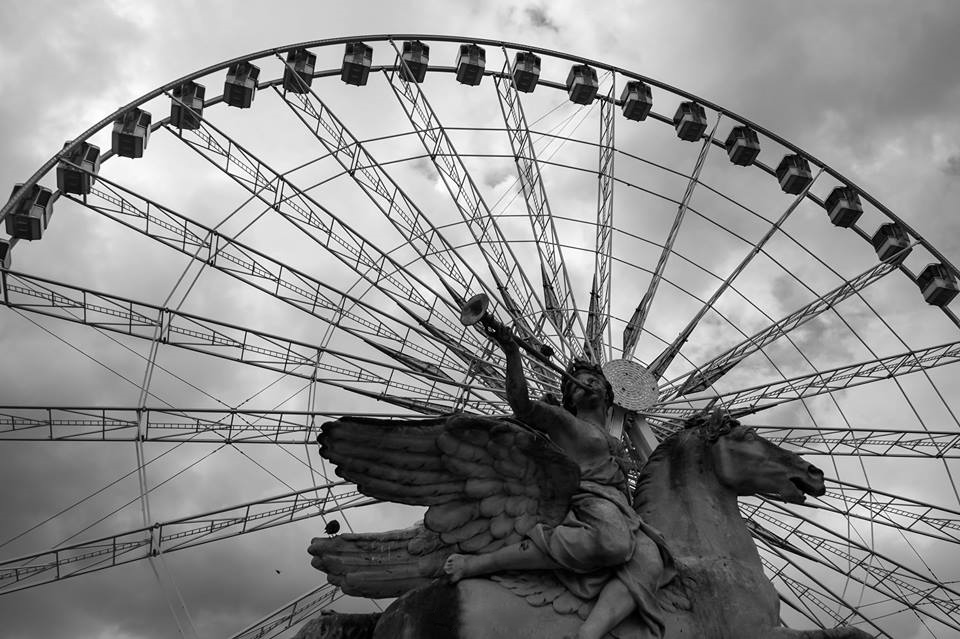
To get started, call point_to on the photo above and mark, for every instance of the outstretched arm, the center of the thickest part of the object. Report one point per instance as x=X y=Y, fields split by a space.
x=517 y=394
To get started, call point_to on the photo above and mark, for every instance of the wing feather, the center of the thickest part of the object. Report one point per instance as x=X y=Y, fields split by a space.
x=486 y=482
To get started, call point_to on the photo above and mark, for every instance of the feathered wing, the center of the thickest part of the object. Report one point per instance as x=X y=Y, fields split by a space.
x=486 y=482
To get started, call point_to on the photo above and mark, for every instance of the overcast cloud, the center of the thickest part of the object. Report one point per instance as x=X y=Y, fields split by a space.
x=870 y=87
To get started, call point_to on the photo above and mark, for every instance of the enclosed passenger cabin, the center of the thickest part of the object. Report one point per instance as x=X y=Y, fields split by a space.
x=357 y=59
x=416 y=57
x=471 y=61
x=526 y=71
x=186 y=106
x=131 y=131
x=793 y=173
x=298 y=72
x=241 y=84
x=937 y=284
x=29 y=219
x=5 y=250
x=582 y=84
x=843 y=206
x=70 y=178
x=636 y=100
x=742 y=145
x=889 y=240
x=690 y=121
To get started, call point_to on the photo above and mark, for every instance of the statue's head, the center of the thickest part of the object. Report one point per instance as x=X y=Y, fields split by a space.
x=580 y=367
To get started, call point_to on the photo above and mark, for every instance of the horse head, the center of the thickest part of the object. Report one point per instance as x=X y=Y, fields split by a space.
x=748 y=464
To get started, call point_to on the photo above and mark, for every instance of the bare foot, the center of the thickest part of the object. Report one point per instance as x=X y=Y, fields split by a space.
x=459 y=566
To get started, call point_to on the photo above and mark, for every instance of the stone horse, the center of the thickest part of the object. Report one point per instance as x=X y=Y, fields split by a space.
x=688 y=490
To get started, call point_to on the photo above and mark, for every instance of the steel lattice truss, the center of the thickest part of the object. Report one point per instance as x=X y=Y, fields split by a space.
x=390 y=331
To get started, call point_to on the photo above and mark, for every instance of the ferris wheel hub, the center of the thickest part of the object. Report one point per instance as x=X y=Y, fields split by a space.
x=634 y=387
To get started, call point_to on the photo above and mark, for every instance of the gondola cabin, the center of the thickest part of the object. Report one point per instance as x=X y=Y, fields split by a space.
x=690 y=121
x=357 y=59
x=298 y=72
x=889 y=240
x=5 y=250
x=526 y=71
x=582 y=84
x=241 y=84
x=471 y=61
x=742 y=145
x=186 y=105
x=636 y=100
x=416 y=57
x=131 y=131
x=77 y=171
x=793 y=173
x=29 y=219
x=937 y=284
x=843 y=206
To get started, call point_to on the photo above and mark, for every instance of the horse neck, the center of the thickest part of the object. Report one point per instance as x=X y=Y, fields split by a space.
x=679 y=495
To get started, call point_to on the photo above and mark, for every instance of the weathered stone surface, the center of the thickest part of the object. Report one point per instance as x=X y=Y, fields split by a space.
x=335 y=625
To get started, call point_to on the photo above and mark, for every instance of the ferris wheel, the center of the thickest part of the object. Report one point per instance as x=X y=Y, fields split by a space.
x=211 y=274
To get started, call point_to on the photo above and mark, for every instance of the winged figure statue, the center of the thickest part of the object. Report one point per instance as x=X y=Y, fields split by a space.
x=544 y=489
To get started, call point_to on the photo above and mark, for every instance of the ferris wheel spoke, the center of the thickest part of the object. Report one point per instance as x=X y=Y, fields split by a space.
x=866 y=442
x=323 y=227
x=598 y=318
x=194 y=425
x=515 y=289
x=634 y=328
x=294 y=287
x=813 y=598
x=895 y=511
x=177 y=534
x=660 y=365
x=758 y=398
x=847 y=557
x=559 y=301
x=298 y=610
x=382 y=190
x=239 y=344
x=716 y=368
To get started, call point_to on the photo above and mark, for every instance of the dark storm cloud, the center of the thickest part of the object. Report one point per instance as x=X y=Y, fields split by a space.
x=540 y=19
x=952 y=165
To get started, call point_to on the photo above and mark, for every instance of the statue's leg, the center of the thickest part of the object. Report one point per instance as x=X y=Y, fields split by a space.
x=613 y=605
x=522 y=556
x=616 y=601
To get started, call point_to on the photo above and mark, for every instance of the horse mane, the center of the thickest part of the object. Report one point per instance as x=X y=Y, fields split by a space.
x=698 y=434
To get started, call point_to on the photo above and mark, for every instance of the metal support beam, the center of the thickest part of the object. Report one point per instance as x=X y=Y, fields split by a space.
x=267 y=274
x=560 y=304
x=177 y=534
x=196 y=425
x=710 y=372
x=758 y=398
x=226 y=341
x=889 y=578
x=659 y=366
x=866 y=442
x=634 y=328
x=297 y=611
x=518 y=295
x=598 y=318
x=352 y=248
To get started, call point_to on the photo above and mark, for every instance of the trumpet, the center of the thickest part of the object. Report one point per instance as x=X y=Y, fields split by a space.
x=475 y=311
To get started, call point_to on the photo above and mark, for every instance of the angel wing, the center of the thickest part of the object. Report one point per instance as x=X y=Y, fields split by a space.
x=486 y=482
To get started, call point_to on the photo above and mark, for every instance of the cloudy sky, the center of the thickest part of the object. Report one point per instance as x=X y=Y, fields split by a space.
x=871 y=88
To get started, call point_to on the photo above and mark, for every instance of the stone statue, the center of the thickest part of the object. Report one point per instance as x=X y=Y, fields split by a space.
x=601 y=532
x=530 y=531
x=488 y=483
